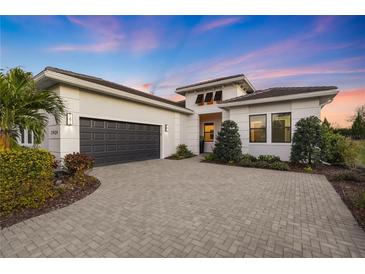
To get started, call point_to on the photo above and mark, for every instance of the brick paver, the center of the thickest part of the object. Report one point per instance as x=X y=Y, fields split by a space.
x=165 y=208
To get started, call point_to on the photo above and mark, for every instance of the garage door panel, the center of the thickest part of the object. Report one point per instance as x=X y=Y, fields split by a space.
x=112 y=142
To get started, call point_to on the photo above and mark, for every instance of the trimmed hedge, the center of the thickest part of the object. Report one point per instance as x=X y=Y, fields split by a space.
x=25 y=178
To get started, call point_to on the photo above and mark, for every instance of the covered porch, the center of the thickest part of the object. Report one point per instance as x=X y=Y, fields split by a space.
x=209 y=125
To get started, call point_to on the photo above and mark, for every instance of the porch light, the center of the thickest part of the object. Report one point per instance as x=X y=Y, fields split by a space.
x=69 y=119
x=166 y=128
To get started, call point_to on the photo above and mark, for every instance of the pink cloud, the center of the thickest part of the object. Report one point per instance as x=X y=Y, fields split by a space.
x=105 y=31
x=144 y=40
x=174 y=97
x=217 y=24
x=343 y=106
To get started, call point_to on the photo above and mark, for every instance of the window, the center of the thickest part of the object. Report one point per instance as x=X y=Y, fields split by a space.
x=200 y=99
x=22 y=136
x=209 y=98
x=30 y=137
x=281 y=127
x=209 y=132
x=218 y=96
x=258 y=128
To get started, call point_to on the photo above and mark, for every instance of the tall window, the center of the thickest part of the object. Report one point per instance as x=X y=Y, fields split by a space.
x=30 y=137
x=22 y=137
x=258 y=128
x=209 y=98
x=281 y=127
x=209 y=132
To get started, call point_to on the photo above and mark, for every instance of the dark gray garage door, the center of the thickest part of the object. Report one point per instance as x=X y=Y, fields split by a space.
x=111 y=142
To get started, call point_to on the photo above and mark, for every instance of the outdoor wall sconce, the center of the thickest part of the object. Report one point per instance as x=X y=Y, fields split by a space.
x=166 y=128
x=69 y=119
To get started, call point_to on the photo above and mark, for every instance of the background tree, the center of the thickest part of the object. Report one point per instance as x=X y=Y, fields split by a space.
x=228 y=146
x=24 y=106
x=307 y=141
x=358 y=124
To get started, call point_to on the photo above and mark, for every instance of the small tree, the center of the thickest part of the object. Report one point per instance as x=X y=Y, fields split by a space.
x=228 y=146
x=358 y=124
x=306 y=141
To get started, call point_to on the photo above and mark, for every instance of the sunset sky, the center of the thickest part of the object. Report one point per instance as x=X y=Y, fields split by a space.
x=159 y=53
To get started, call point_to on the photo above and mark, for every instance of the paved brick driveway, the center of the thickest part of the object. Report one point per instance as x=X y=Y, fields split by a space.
x=164 y=208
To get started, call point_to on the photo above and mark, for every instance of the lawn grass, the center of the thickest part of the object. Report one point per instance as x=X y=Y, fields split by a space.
x=361 y=152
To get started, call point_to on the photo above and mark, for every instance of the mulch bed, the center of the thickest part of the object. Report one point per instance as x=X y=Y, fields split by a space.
x=69 y=196
x=348 y=189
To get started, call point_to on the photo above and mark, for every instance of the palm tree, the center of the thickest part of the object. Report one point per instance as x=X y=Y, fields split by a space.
x=24 y=106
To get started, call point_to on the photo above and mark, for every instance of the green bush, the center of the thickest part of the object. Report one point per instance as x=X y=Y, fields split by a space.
x=25 y=178
x=78 y=163
x=248 y=157
x=337 y=149
x=308 y=169
x=209 y=157
x=306 y=141
x=269 y=158
x=228 y=147
x=277 y=165
x=182 y=152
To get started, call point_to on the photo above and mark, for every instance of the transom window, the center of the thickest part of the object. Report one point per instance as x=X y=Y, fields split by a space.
x=218 y=96
x=258 y=128
x=209 y=98
x=199 y=99
x=281 y=127
x=209 y=132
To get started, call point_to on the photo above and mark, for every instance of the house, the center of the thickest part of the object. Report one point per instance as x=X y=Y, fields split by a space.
x=118 y=124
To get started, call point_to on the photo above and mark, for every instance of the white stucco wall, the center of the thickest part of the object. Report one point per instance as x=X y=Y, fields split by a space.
x=299 y=109
x=83 y=103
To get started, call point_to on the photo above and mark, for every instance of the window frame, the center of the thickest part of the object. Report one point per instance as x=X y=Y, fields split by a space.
x=272 y=128
x=249 y=125
x=207 y=95
x=220 y=93
x=201 y=102
x=204 y=132
x=30 y=137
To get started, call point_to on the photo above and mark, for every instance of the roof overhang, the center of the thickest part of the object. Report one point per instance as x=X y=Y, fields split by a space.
x=241 y=79
x=330 y=94
x=47 y=78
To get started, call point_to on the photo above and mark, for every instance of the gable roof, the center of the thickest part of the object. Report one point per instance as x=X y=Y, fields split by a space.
x=110 y=84
x=278 y=91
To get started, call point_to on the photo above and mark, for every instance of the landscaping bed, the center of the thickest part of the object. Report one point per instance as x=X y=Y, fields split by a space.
x=68 y=192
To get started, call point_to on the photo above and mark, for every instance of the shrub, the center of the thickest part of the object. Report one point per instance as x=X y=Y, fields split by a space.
x=209 y=157
x=228 y=147
x=25 y=178
x=248 y=157
x=246 y=162
x=269 y=158
x=336 y=149
x=78 y=163
x=182 y=152
x=308 y=169
x=279 y=166
x=306 y=141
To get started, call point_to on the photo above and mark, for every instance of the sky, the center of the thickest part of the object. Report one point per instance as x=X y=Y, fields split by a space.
x=157 y=54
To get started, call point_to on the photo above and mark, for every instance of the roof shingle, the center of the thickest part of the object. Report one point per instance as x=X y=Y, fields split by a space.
x=278 y=91
x=106 y=83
